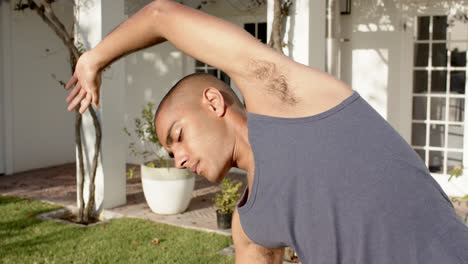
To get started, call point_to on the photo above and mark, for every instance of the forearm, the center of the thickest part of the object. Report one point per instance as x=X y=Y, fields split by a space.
x=207 y=38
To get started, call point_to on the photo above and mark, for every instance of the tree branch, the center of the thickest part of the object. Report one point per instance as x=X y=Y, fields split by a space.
x=55 y=25
x=97 y=149
x=80 y=164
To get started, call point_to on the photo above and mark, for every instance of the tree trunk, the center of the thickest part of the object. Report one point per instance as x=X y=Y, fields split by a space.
x=280 y=11
x=276 y=27
x=46 y=13
x=97 y=149
x=81 y=175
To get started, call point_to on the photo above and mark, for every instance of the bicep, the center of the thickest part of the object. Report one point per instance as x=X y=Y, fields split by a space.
x=249 y=252
x=212 y=40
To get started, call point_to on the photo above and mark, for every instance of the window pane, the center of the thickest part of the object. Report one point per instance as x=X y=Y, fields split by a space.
x=250 y=27
x=437 y=135
x=457 y=109
x=455 y=136
x=423 y=28
x=439 y=28
x=213 y=72
x=262 y=32
x=439 y=81
x=436 y=159
x=199 y=70
x=199 y=63
x=439 y=54
x=437 y=108
x=418 y=135
x=421 y=154
x=458 y=58
x=454 y=159
x=419 y=107
x=421 y=54
x=225 y=78
x=457 y=82
x=420 y=82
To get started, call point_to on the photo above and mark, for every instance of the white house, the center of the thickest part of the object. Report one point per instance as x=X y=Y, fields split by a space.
x=407 y=58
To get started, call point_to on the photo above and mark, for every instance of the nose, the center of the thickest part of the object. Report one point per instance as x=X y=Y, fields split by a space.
x=180 y=158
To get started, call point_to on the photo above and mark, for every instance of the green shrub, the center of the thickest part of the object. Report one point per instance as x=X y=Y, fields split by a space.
x=146 y=145
x=226 y=201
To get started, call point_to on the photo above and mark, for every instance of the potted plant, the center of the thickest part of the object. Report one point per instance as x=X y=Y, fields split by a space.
x=167 y=190
x=226 y=201
x=456 y=172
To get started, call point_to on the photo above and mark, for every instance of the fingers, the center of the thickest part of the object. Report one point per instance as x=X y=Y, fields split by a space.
x=80 y=95
x=71 y=82
x=85 y=103
x=95 y=99
x=77 y=100
x=73 y=93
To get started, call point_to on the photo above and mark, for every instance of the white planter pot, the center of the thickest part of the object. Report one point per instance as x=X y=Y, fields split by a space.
x=167 y=190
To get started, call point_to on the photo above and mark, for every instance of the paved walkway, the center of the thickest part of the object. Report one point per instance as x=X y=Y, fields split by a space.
x=58 y=185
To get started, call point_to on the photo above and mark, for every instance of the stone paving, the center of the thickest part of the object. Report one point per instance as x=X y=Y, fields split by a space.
x=58 y=185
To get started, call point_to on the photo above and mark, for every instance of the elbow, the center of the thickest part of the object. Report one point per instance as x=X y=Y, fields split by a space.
x=155 y=12
x=157 y=8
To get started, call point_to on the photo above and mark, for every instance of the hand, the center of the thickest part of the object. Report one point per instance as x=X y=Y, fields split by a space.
x=87 y=80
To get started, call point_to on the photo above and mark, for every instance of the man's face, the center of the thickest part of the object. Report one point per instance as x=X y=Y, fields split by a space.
x=197 y=138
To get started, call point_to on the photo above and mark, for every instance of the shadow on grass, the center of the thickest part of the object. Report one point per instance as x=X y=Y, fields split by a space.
x=21 y=233
x=33 y=243
x=26 y=239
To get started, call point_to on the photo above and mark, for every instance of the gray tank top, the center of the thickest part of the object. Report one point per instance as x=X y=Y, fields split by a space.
x=343 y=186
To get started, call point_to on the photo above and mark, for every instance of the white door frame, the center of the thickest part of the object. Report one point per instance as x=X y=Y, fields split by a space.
x=456 y=187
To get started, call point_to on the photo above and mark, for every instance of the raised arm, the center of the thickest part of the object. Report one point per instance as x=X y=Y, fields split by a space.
x=202 y=36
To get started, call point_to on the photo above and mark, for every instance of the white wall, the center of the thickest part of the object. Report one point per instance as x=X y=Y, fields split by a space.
x=150 y=75
x=42 y=129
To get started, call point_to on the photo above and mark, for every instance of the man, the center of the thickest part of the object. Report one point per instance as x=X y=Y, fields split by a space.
x=327 y=175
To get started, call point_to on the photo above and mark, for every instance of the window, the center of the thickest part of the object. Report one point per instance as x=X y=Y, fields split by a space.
x=257 y=30
x=203 y=67
x=439 y=82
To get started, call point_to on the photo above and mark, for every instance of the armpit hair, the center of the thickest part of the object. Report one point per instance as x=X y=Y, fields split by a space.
x=276 y=83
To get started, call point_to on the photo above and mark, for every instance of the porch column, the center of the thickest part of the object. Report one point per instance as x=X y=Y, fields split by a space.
x=95 y=20
x=304 y=32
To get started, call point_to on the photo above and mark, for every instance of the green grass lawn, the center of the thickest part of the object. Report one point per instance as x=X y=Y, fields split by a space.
x=27 y=239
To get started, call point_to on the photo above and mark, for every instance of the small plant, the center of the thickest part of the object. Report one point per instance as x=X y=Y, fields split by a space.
x=146 y=145
x=456 y=172
x=226 y=201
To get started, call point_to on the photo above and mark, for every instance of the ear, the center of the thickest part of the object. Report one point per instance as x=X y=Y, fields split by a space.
x=214 y=101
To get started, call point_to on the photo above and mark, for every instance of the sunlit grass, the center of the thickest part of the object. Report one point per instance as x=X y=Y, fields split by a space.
x=27 y=239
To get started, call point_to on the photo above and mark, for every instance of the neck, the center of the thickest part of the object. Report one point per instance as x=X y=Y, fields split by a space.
x=242 y=152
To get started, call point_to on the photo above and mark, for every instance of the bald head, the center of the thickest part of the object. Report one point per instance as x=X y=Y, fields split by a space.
x=198 y=122
x=188 y=91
